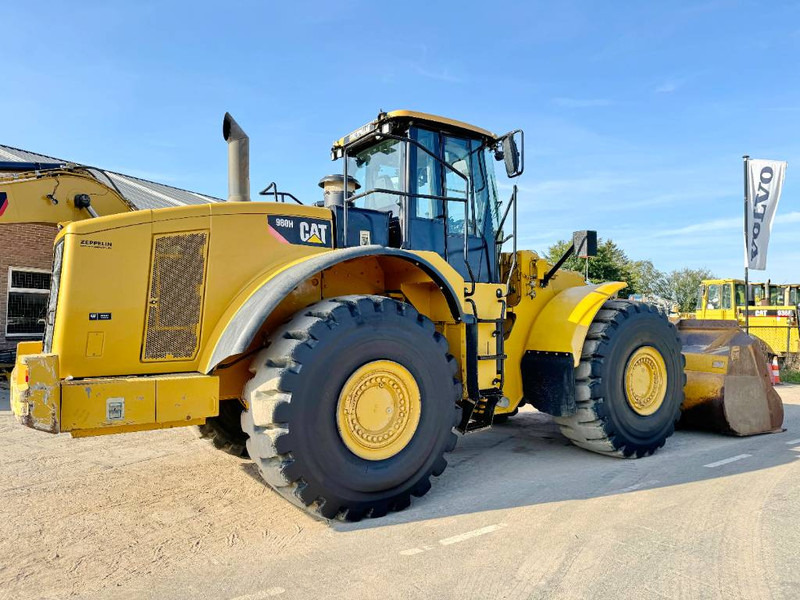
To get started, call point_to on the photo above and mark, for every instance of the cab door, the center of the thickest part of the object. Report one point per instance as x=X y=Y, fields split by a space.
x=438 y=211
x=727 y=305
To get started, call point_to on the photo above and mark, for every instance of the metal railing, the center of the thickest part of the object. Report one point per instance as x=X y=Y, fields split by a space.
x=282 y=195
x=512 y=236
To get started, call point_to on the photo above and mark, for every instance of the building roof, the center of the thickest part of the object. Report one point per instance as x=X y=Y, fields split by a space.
x=143 y=194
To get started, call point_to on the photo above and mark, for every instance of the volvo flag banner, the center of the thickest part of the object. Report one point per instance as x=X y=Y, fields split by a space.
x=764 y=185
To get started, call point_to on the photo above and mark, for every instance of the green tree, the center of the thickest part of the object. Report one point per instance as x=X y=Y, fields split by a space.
x=648 y=280
x=683 y=285
x=610 y=264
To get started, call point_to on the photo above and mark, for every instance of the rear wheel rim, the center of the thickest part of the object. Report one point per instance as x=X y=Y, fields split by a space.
x=378 y=410
x=645 y=381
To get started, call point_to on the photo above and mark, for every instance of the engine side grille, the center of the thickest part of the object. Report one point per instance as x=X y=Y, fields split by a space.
x=177 y=286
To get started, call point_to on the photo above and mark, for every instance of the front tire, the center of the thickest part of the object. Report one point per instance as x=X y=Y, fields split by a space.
x=629 y=383
x=352 y=407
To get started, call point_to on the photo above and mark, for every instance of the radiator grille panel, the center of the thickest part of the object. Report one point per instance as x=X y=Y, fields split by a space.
x=175 y=307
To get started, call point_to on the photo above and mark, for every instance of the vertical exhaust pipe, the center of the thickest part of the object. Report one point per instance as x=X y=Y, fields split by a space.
x=238 y=160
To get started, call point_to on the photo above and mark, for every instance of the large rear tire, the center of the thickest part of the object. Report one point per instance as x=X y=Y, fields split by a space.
x=352 y=407
x=629 y=383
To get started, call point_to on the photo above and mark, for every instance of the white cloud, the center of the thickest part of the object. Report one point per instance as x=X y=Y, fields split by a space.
x=716 y=225
x=705 y=227
x=792 y=217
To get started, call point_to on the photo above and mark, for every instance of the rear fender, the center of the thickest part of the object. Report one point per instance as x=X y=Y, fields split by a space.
x=239 y=325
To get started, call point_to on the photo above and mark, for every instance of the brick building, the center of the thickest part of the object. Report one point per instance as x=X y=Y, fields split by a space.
x=26 y=250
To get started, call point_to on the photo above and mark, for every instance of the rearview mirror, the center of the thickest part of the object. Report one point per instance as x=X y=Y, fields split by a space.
x=585 y=243
x=513 y=153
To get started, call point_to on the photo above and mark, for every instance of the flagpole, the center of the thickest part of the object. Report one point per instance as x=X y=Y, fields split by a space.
x=745 y=159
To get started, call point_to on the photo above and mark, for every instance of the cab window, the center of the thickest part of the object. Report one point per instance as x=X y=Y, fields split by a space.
x=381 y=166
x=713 y=297
x=740 y=299
x=758 y=293
x=793 y=296
x=726 y=296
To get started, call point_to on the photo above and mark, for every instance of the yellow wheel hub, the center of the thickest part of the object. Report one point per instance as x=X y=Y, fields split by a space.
x=646 y=380
x=378 y=411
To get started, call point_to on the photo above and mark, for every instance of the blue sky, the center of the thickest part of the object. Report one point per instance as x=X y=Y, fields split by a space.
x=636 y=113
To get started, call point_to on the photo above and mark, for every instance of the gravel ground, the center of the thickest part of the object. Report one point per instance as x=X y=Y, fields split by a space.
x=519 y=513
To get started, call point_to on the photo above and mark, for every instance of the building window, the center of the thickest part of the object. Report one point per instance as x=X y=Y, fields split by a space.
x=28 y=290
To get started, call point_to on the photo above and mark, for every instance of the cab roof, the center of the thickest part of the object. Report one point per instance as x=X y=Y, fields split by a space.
x=752 y=283
x=722 y=281
x=436 y=121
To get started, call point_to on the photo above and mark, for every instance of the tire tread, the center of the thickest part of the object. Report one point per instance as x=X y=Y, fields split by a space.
x=269 y=393
x=589 y=427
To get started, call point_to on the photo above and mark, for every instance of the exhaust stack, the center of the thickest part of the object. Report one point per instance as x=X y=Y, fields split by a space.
x=238 y=160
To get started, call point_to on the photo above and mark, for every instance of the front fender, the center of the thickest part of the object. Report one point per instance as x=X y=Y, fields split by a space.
x=240 y=324
x=564 y=321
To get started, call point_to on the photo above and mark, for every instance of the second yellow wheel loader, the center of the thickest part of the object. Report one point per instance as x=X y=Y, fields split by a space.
x=772 y=315
x=344 y=344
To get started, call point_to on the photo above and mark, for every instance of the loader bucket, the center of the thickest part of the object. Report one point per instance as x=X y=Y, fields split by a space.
x=728 y=387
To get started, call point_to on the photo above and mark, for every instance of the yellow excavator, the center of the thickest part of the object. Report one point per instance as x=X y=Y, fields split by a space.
x=57 y=194
x=343 y=345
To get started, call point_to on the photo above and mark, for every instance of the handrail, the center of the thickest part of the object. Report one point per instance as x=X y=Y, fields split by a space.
x=276 y=193
x=513 y=235
x=351 y=199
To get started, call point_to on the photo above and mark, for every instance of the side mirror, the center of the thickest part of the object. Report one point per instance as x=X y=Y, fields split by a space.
x=513 y=153
x=585 y=243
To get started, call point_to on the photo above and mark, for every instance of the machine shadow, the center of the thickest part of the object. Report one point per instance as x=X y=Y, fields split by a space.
x=527 y=461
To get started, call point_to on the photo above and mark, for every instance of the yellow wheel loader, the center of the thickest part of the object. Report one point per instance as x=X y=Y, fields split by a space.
x=773 y=312
x=344 y=344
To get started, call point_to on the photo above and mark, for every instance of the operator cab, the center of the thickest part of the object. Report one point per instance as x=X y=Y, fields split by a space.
x=422 y=182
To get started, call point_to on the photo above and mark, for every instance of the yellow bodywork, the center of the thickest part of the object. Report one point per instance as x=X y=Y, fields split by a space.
x=97 y=406
x=35 y=390
x=567 y=297
x=117 y=276
x=564 y=321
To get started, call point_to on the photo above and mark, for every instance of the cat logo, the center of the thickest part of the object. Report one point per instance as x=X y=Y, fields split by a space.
x=296 y=230
x=313 y=233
